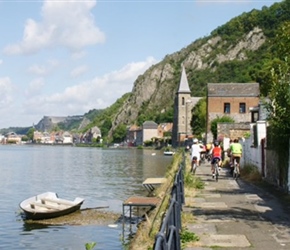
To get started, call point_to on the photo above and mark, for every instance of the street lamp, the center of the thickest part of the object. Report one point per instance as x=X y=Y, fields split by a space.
x=186 y=116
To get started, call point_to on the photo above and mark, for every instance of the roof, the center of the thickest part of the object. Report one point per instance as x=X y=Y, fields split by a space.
x=183 y=85
x=150 y=125
x=233 y=89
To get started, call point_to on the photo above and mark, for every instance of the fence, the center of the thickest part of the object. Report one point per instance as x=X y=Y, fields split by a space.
x=168 y=237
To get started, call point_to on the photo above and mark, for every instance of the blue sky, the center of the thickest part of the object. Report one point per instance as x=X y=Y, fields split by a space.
x=65 y=57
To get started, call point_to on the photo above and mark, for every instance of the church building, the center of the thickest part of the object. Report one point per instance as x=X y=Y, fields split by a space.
x=183 y=104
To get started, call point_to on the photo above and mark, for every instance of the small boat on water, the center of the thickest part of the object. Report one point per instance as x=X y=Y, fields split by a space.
x=48 y=205
x=169 y=153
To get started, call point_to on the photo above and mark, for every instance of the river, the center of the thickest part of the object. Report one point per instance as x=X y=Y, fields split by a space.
x=103 y=177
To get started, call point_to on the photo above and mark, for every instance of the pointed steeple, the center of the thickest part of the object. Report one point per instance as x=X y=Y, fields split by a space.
x=183 y=85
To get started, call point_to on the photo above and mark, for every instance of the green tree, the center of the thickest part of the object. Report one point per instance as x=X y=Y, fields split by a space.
x=119 y=133
x=198 y=120
x=30 y=134
x=214 y=122
x=278 y=108
x=106 y=126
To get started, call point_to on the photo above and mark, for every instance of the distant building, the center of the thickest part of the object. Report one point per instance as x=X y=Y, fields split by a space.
x=149 y=130
x=231 y=99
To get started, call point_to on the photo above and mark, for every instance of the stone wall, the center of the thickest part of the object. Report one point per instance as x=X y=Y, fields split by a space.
x=233 y=130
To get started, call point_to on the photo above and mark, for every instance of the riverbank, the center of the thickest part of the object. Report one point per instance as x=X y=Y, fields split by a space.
x=147 y=230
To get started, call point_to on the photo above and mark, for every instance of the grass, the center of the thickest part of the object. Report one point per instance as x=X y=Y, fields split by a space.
x=187 y=236
x=147 y=230
x=250 y=173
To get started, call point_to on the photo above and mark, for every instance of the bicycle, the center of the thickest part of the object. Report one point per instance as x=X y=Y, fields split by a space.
x=236 y=171
x=193 y=165
x=216 y=169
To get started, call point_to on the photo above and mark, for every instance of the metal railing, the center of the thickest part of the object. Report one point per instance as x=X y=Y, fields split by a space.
x=168 y=237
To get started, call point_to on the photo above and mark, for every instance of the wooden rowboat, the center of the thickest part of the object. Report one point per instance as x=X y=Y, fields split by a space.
x=48 y=205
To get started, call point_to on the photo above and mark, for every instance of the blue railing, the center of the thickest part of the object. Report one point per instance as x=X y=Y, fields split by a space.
x=168 y=237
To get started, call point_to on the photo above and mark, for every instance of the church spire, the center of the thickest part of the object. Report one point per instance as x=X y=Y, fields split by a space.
x=183 y=85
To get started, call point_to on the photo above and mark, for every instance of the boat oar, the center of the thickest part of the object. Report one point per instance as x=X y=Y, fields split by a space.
x=89 y=208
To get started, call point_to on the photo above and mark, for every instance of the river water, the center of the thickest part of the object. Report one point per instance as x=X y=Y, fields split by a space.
x=103 y=177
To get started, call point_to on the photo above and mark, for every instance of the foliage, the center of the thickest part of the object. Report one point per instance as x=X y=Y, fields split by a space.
x=119 y=133
x=187 y=236
x=198 y=120
x=165 y=117
x=214 y=122
x=251 y=173
x=90 y=246
x=24 y=138
x=247 y=135
x=30 y=133
x=279 y=117
x=103 y=118
x=148 y=143
x=192 y=181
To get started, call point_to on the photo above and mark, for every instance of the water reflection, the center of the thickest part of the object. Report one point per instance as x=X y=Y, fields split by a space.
x=104 y=178
x=27 y=227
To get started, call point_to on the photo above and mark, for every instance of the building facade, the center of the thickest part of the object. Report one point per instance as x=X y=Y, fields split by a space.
x=231 y=99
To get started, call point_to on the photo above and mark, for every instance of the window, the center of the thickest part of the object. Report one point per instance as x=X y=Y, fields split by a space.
x=182 y=101
x=255 y=116
x=227 y=108
x=242 y=107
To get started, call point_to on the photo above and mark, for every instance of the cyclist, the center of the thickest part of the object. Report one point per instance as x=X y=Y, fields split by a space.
x=195 y=152
x=202 y=152
x=236 y=150
x=216 y=154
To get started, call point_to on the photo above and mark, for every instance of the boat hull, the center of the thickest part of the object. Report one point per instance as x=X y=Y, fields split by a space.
x=48 y=205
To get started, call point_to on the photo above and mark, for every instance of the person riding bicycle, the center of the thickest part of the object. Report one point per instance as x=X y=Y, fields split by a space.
x=195 y=152
x=216 y=154
x=202 y=152
x=236 y=150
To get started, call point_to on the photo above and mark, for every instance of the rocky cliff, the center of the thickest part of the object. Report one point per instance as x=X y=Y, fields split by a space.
x=155 y=89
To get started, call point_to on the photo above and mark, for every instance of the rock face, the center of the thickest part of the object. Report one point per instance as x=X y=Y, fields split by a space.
x=47 y=123
x=156 y=88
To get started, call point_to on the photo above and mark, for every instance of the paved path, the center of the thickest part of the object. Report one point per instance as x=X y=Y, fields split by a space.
x=236 y=215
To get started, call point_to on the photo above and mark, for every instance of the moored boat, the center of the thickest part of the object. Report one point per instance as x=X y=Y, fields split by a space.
x=169 y=153
x=49 y=205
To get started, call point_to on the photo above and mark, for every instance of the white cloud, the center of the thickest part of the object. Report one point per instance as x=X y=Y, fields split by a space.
x=6 y=91
x=65 y=23
x=44 y=69
x=78 y=71
x=98 y=93
x=34 y=87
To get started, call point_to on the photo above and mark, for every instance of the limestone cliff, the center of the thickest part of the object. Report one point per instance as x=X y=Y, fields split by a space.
x=155 y=89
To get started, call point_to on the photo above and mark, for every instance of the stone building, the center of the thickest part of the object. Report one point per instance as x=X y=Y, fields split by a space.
x=149 y=130
x=231 y=99
x=183 y=104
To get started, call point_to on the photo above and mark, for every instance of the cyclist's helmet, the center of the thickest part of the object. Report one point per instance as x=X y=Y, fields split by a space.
x=195 y=141
x=216 y=143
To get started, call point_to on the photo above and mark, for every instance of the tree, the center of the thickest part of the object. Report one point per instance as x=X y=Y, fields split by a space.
x=119 y=133
x=278 y=106
x=214 y=122
x=198 y=120
x=279 y=95
x=30 y=134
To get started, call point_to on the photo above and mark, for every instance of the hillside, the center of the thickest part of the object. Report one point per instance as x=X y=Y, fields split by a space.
x=238 y=51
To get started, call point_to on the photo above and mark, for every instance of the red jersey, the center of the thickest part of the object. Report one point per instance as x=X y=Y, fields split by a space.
x=216 y=152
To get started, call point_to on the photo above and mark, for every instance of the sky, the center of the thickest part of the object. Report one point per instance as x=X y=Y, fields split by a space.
x=67 y=57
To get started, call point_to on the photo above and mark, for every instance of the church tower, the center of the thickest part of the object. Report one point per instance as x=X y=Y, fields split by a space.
x=182 y=112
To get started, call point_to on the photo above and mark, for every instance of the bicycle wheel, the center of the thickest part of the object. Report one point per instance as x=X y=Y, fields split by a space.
x=216 y=171
x=194 y=168
x=235 y=174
